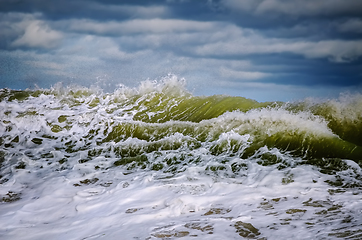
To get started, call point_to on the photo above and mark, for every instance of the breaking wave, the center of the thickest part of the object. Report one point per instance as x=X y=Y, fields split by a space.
x=161 y=132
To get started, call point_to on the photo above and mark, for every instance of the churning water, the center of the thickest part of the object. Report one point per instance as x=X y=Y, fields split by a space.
x=157 y=162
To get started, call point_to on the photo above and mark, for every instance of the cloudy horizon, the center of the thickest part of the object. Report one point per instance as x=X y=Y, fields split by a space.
x=267 y=50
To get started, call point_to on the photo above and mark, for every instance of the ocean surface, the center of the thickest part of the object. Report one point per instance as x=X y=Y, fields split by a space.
x=156 y=162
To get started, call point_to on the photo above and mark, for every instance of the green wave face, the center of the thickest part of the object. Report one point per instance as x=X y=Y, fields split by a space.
x=163 y=127
x=344 y=116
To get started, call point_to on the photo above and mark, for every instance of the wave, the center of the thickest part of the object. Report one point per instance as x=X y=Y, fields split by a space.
x=158 y=162
x=136 y=124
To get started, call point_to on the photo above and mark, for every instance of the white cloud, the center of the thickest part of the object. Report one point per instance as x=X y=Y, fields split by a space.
x=206 y=39
x=206 y=53
x=13 y=25
x=100 y=48
x=334 y=50
x=38 y=34
x=251 y=42
x=137 y=26
x=242 y=75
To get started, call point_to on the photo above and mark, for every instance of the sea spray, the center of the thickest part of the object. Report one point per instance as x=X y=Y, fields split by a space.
x=156 y=162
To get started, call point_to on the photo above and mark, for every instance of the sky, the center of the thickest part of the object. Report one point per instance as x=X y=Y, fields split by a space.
x=267 y=50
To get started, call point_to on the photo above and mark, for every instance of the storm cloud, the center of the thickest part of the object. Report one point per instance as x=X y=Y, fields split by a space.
x=261 y=49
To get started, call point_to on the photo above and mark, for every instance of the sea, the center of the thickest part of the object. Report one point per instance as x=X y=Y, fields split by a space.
x=157 y=162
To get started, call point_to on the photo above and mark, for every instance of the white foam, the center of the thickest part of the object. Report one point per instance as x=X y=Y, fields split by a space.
x=95 y=199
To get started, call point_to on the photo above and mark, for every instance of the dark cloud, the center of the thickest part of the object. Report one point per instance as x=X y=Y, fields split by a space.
x=218 y=45
x=84 y=9
x=296 y=8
